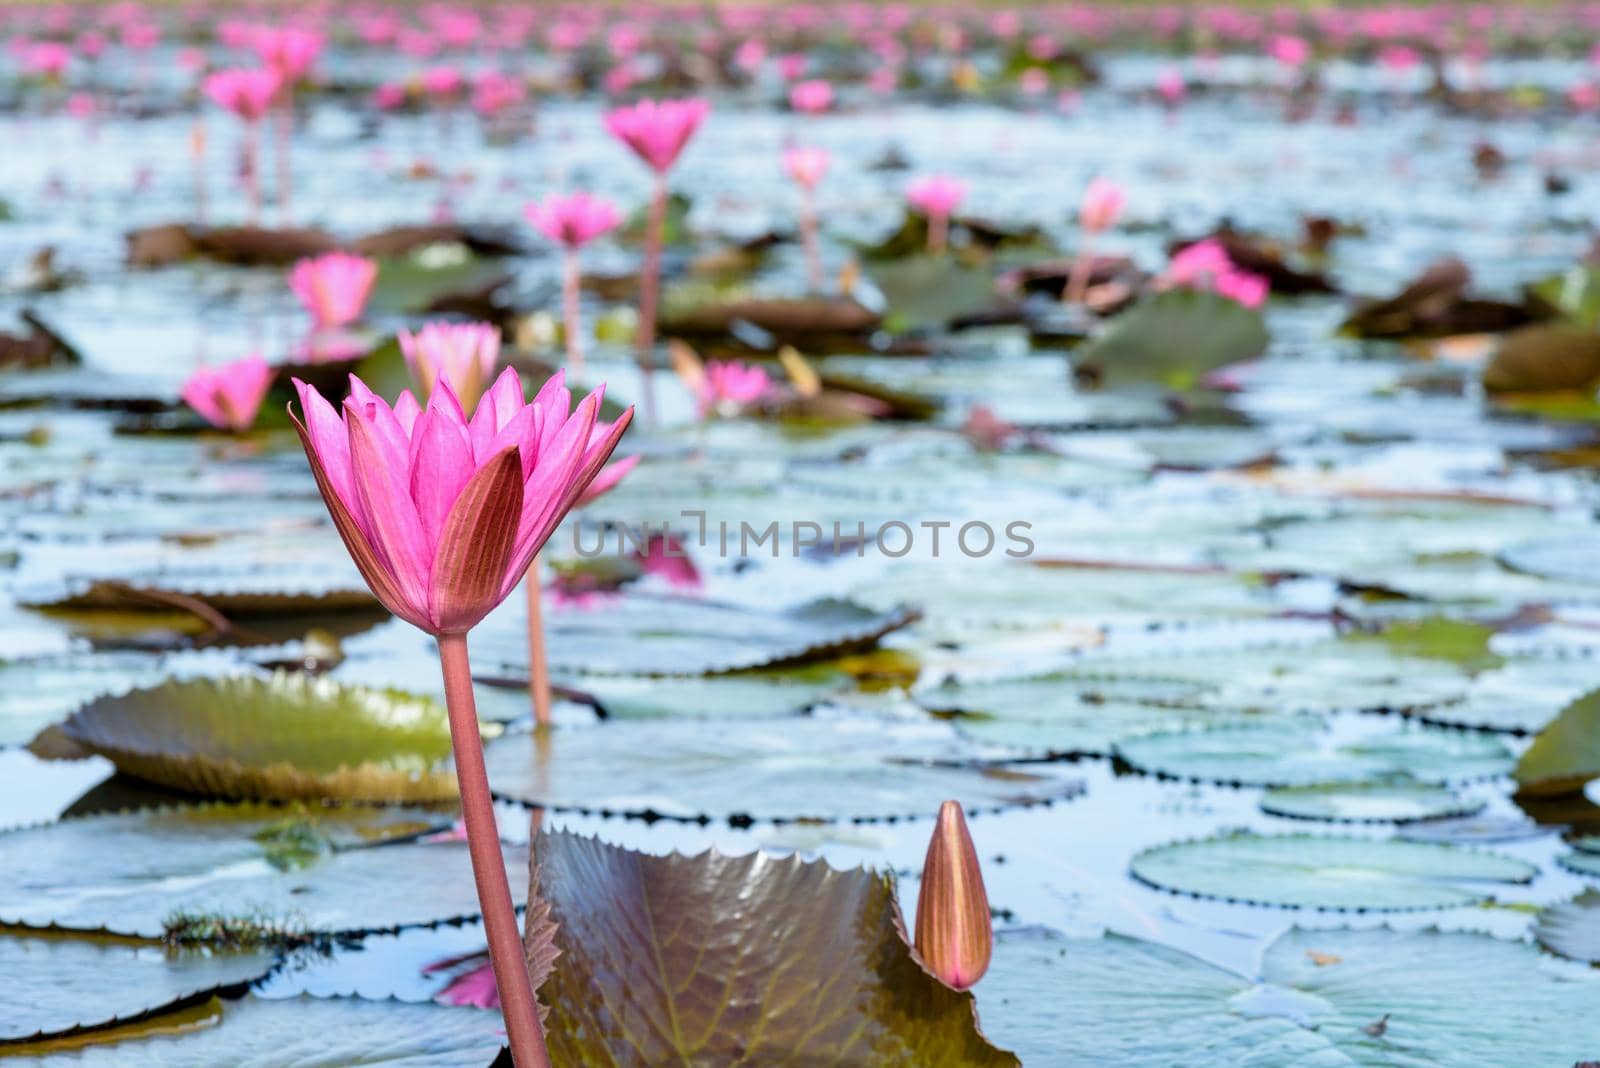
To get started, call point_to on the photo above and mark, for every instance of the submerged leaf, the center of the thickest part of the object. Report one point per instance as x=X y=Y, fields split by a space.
x=719 y=960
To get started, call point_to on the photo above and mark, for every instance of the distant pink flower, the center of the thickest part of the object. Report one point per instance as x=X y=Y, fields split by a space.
x=936 y=196
x=47 y=59
x=442 y=81
x=1398 y=58
x=1584 y=96
x=749 y=56
x=1171 y=87
x=229 y=396
x=494 y=92
x=657 y=130
x=463 y=355
x=665 y=557
x=1289 y=50
x=729 y=386
x=91 y=44
x=192 y=59
x=807 y=166
x=1205 y=265
x=246 y=93
x=811 y=97
x=1033 y=82
x=574 y=220
x=389 y=96
x=81 y=105
x=1102 y=206
x=334 y=287
x=1247 y=289
x=792 y=66
x=473 y=988
x=289 y=50
x=883 y=81
x=141 y=36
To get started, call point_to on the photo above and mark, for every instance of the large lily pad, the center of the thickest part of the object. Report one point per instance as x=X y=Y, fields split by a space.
x=1396 y=802
x=744 y=695
x=1328 y=872
x=261 y=1033
x=1572 y=928
x=822 y=768
x=237 y=872
x=285 y=737
x=1303 y=753
x=1566 y=754
x=1325 y=999
x=58 y=984
x=721 y=960
x=1174 y=338
x=647 y=634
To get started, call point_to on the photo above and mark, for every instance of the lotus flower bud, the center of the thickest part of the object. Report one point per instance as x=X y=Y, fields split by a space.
x=954 y=935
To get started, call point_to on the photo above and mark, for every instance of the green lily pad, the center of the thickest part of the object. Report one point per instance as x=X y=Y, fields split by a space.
x=281 y=738
x=1328 y=872
x=803 y=964
x=1566 y=754
x=1397 y=802
x=822 y=768
x=1174 y=338
x=1569 y=559
x=1582 y=863
x=1325 y=999
x=1522 y=697
x=239 y=873
x=928 y=292
x=745 y=695
x=416 y=284
x=58 y=984
x=1572 y=928
x=647 y=634
x=1296 y=753
x=307 y=1031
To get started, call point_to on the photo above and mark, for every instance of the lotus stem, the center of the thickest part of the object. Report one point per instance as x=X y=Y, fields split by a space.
x=572 y=327
x=938 y=232
x=285 y=132
x=809 y=239
x=252 y=181
x=538 y=662
x=650 y=290
x=1078 y=280
x=488 y=864
x=197 y=155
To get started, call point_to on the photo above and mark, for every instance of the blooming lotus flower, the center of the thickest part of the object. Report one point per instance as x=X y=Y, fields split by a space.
x=463 y=355
x=954 y=932
x=811 y=97
x=1103 y=202
x=228 y=397
x=1171 y=87
x=1206 y=265
x=936 y=196
x=573 y=221
x=1289 y=50
x=47 y=59
x=1243 y=287
x=246 y=93
x=729 y=386
x=494 y=92
x=334 y=287
x=289 y=50
x=443 y=514
x=657 y=130
x=807 y=166
x=444 y=81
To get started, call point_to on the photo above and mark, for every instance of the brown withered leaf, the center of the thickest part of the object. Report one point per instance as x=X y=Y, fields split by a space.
x=788 y=319
x=404 y=240
x=717 y=960
x=254 y=246
x=1550 y=356
x=1435 y=305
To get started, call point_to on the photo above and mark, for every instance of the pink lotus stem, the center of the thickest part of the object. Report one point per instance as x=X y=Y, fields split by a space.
x=938 y=232
x=809 y=241
x=1078 y=280
x=517 y=1002
x=571 y=324
x=650 y=289
x=252 y=181
x=538 y=661
x=197 y=154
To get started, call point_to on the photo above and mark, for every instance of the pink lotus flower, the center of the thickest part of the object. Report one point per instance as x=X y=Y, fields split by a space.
x=665 y=557
x=334 y=287
x=811 y=97
x=657 y=130
x=390 y=96
x=81 y=105
x=1206 y=265
x=575 y=220
x=936 y=196
x=495 y=92
x=443 y=514
x=444 y=81
x=473 y=988
x=792 y=66
x=228 y=397
x=1171 y=87
x=47 y=59
x=1103 y=202
x=749 y=56
x=806 y=166
x=1242 y=287
x=1289 y=50
x=1398 y=58
x=246 y=93
x=462 y=355
x=729 y=386
x=289 y=50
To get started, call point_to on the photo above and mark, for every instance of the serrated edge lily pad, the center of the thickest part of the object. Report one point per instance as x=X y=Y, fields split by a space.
x=1374 y=802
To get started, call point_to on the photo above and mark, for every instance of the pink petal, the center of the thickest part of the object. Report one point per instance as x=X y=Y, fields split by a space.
x=394 y=528
x=441 y=463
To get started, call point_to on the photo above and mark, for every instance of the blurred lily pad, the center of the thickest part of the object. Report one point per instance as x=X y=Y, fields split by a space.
x=743 y=695
x=802 y=964
x=1572 y=928
x=1328 y=872
x=1396 y=802
x=285 y=737
x=929 y=292
x=1173 y=339
x=1303 y=753
x=822 y=768
x=40 y=692
x=237 y=873
x=58 y=984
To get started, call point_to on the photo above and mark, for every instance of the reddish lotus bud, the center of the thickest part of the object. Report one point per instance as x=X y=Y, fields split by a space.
x=954 y=935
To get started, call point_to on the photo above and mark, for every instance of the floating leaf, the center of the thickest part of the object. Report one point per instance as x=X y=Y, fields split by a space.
x=803 y=768
x=1451 y=1000
x=719 y=960
x=57 y=984
x=1582 y=863
x=1566 y=754
x=1306 y=753
x=240 y=872
x=1327 y=872
x=312 y=1031
x=421 y=282
x=1572 y=928
x=1569 y=559
x=1396 y=802
x=929 y=292
x=282 y=738
x=1545 y=357
x=1174 y=338
x=745 y=695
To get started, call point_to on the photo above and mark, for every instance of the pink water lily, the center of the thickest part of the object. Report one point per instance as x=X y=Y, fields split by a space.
x=730 y=385
x=334 y=287
x=811 y=97
x=443 y=514
x=246 y=93
x=936 y=197
x=574 y=220
x=1102 y=206
x=806 y=166
x=229 y=396
x=1205 y=265
x=657 y=130
x=290 y=50
x=462 y=355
